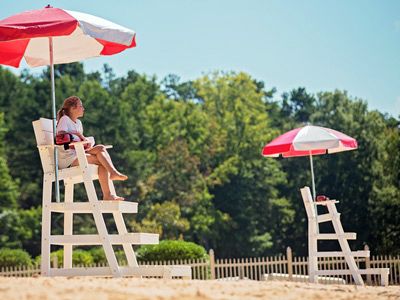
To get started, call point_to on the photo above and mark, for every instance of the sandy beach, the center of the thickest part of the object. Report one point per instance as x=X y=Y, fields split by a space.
x=86 y=288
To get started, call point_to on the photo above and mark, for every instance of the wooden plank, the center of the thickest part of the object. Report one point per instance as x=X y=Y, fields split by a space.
x=74 y=174
x=344 y=245
x=336 y=236
x=97 y=271
x=68 y=223
x=327 y=217
x=105 y=206
x=360 y=253
x=374 y=271
x=46 y=225
x=129 y=253
x=348 y=272
x=334 y=272
x=302 y=278
x=174 y=270
x=115 y=239
x=144 y=270
x=97 y=215
x=327 y=202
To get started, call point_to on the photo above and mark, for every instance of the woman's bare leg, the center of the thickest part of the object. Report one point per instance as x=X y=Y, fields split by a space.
x=103 y=178
x=104 y=158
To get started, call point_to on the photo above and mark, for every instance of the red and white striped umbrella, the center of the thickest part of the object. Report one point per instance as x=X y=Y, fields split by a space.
x=51 y=36
x=75 y=36
x=308 y=141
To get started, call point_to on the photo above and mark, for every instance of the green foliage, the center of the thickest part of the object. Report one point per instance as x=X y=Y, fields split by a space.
x=99 y=257
x=79 y=257
x=164 y=219
x=14 y=258
x=20 y=228
x=192 y=153
x=171 y=250
x=8 y=187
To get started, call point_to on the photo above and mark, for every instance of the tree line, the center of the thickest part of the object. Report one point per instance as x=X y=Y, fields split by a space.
x=192 y=151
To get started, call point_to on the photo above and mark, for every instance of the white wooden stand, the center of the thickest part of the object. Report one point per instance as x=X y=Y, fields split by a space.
x=86 y=173
x=313 y=236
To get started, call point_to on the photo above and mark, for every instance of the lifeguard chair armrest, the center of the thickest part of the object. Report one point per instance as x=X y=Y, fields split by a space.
x=87 y=142
x=325 y=202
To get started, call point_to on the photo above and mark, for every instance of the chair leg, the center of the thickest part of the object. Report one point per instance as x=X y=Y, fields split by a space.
x=112 y=187
x=101 y=226
x=121 y=227
x=68 y=224
x=344 y=245
x=46 y=225
x=312 y=252
x=384 y=277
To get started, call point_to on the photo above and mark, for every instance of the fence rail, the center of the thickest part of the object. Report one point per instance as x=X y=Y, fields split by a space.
x=255 y=268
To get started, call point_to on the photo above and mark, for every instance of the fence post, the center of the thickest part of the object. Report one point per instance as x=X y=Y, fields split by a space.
x=289 y=262
x=368 y=265
x=212 y=263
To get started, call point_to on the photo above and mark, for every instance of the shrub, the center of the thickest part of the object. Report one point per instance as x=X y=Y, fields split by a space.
x=20 y=228
x=171 y=250
x=79 y=257
x=82 y=257
x=99 y=257
x=14 y=257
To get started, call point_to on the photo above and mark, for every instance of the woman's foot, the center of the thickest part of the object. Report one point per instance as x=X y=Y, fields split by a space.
x=114 y=198
x=118 y=176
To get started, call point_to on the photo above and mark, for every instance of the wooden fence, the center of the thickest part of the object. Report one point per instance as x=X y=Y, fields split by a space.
x=257 y=268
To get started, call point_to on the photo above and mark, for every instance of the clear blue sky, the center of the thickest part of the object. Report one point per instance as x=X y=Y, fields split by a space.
x=321 y=45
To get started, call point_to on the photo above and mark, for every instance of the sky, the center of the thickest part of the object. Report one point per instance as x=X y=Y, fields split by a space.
x=321 y=45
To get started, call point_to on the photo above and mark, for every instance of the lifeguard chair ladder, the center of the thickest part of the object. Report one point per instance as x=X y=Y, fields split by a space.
x=313 y=236
x=86 y=173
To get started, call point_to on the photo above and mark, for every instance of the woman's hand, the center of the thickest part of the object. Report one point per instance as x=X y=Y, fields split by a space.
x=79 y=135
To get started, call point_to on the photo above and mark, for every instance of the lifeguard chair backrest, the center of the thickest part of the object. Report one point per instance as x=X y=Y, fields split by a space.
x=308 y=202
x=44 y=137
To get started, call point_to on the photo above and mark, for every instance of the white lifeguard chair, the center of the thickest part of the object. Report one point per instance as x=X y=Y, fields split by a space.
x=86 y=173
x=342 y=237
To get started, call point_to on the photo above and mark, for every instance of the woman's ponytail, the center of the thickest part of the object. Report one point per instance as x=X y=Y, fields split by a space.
x=60 y=113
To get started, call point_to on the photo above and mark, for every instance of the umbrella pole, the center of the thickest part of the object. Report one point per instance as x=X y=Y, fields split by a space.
x=312 y=176
x=313 y=190
x=53 y=98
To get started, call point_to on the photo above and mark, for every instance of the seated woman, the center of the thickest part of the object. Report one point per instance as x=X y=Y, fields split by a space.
x=68 y=122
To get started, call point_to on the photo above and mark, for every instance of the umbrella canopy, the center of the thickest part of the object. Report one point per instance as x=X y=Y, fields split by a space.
x=76 y=36
x=51 y=36
x=308 y=141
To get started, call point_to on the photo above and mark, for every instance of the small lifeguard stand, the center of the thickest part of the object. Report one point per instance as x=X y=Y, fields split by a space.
x=342 y=237
x=86 y=173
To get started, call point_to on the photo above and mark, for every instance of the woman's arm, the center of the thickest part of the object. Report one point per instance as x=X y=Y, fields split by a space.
x=78 y=134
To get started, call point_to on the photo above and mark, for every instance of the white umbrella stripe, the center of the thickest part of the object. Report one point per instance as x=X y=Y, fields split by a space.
x=99 y=28
x=71 y=48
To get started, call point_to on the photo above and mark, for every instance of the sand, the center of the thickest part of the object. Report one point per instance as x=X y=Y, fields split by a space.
x=86 y=288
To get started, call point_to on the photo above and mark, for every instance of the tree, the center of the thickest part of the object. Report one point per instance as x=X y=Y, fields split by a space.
x=8 y=187
x=384 y=202
x=243 y=184
x=21 y=229
x=165 y=219
x=176 y=90
x=357 y=178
